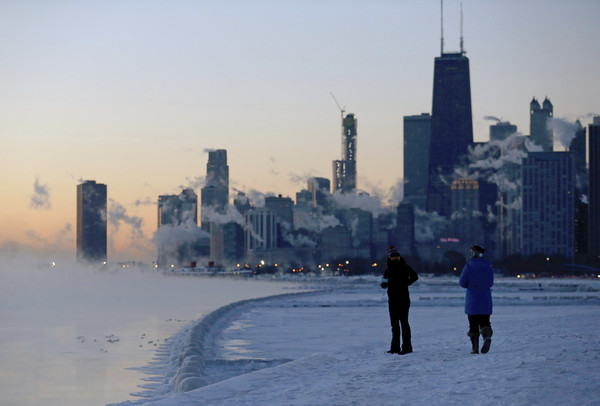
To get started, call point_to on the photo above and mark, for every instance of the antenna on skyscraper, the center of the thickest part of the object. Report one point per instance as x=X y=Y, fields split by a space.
x=442 y=27
x=462 y=51
x=342 y=110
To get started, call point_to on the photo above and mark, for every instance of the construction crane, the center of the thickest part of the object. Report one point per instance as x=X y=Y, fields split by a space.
x=342 y=109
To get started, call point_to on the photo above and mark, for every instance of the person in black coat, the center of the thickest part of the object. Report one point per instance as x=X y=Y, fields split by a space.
x=397 y=278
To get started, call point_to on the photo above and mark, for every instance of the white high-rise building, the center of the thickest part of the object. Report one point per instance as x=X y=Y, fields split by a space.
x=261 y=232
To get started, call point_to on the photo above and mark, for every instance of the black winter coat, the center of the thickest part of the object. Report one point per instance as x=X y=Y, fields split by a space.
x=399 y=276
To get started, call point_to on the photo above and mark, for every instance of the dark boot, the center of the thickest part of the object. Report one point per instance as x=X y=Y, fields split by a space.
x=394 y=348
x=405 y=349
x=474 y=342
x=395 y=344
x=486 y=333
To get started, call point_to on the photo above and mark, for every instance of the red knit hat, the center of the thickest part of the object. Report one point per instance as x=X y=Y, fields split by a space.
x=392 y=252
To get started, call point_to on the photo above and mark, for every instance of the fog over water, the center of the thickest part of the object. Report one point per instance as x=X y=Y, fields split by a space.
x=72 y=335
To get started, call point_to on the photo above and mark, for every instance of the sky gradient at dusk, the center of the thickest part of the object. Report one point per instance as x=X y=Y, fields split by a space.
x=132 y=94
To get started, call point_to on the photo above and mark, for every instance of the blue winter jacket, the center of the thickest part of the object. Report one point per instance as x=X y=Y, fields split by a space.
x=477 y=277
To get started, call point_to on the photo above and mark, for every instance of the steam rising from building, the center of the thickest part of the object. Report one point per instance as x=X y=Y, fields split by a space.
x=41 y=196
x=178 y=238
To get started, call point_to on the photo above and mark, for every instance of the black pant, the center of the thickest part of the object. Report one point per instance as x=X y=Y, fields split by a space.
x=477 y=322
x=399 y=318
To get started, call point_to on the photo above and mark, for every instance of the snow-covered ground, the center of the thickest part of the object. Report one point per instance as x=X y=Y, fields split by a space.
x=328 y=348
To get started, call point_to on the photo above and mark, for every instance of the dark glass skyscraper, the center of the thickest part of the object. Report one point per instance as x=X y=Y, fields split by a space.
x=594 y=207
x=215 y=194
x=217 y=170
x=91 y=222
x=417 y=135
x=451 y=126
x=282 y=208
x=578 y=150
x=404 y=237
x=548 y=212
x=501 y=130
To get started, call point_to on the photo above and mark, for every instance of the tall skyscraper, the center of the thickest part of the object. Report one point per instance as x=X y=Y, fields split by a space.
x=385 y=228
x=303 y=210
x=167 y=210
x=319 y=189
x=226 y=243
x=335 y=242
x=594 y=205
x=242 y=203
x=261 y=235
x=501 y=130
x=344 y=170
x=538 y=123
x=508 y=198
x=304 y=200
x=417 y=136
x=465 y=195
x=360 y=222
x=215 y=194
x=91 y=222
x=451 y=126
x=281 y=208
x=217 y=170
x=404 y=240
x=466 y=226
x=547 y=225
x=178 y=209
x=578 y=150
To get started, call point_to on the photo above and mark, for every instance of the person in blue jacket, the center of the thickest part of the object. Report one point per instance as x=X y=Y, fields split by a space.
x=397 y=277
x=478 y=277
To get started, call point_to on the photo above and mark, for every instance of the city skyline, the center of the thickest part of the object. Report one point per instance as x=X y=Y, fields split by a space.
x=133 y=96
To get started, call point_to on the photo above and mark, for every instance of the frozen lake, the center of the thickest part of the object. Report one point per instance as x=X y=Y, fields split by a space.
x=70 y=336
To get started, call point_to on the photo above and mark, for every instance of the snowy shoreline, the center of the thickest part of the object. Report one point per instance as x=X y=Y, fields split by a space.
x=199 y=363
x=180 y=364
